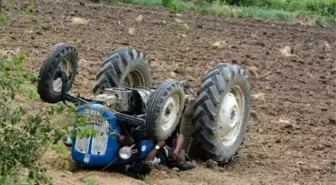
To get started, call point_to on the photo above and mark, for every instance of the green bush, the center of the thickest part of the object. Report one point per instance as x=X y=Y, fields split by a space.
x=25 y=131
x=322 y=7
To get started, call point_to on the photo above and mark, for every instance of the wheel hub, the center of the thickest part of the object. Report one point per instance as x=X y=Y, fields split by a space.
x=229 y=119
x=66 y=67
x=169 y=112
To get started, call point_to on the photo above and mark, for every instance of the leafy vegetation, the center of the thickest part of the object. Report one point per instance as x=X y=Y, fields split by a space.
x=322 y=7
x=323 y=11
x=2 y=19
x=25 y=132
x=89 y=181
x=30 y=9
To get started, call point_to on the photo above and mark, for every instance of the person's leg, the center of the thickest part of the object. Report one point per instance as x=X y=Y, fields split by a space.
x=177 y=147
x=179 y=155
x=179 y=143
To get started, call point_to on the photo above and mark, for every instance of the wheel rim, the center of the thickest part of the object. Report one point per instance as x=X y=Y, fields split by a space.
x=134 y=79
x=169 y=113
x=231 y=116
x=65 y=66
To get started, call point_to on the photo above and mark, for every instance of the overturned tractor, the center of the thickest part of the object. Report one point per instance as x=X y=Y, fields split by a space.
x=129 y=114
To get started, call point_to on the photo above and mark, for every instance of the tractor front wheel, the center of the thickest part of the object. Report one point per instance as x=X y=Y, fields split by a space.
x=63 y=58
x=164 y=110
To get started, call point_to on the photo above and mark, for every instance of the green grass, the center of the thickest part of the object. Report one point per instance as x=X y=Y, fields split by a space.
x=322 y=7
x=2 y=19
x=322 y=11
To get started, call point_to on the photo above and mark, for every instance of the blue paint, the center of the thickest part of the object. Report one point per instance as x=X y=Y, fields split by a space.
x=111 y=156
x=148 y=145
x=113 y=145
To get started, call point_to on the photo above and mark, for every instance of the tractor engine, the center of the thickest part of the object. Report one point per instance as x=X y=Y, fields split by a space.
x=131 y=101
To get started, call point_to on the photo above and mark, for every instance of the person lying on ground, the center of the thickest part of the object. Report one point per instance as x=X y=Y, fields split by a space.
x=170 y=153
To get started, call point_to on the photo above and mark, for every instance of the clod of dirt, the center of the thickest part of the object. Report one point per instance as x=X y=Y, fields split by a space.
x=80 y=21
x=179 y=71
x=287 y=51
x=219 y=44
x=253 y=71
x=179 y=15
x=326 y=46
x=324 y=109
x=178 y=20
x=327 y=144
x=259 y=43
x=131 y=31
x=139 y=18
x=287 y=124
x=250 y=56
x=210 y=164
x=332 y=121
x=285 y=121
x=259 y=96
x=186 y=26
x=254 y=114
x=319 y=147
x=175 y=169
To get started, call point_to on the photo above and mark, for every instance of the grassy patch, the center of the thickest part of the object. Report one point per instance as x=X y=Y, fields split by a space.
x=2 y=19
x=322 y=11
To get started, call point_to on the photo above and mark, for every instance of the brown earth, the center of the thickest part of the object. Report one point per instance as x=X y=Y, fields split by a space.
x=291 y=134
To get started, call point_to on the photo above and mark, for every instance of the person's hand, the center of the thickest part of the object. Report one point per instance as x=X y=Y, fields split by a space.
x=161 y=143
x=175 y=155
x=150 y=156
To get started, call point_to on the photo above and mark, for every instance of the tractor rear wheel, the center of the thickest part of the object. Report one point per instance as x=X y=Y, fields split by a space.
x=221 y=113
x=125 y=67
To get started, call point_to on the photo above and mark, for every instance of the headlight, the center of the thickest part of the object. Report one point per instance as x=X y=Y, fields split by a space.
x=125 y=152
x=67 y=141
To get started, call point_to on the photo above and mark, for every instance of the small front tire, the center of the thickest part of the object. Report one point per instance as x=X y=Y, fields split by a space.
x=164 y=110
x=64 y=58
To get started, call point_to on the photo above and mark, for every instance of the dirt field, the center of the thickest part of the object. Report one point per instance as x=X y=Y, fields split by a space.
x=291 y=135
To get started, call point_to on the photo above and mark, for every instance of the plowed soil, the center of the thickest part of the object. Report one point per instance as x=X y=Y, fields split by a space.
x=291 y=134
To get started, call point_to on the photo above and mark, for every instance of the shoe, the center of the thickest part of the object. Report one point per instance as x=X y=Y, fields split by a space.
x=187 y=165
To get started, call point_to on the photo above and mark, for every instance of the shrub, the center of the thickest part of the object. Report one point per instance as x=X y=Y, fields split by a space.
x=25 y=131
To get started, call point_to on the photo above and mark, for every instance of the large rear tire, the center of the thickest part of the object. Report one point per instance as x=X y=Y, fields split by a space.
x=221 y=114
x=125 y=67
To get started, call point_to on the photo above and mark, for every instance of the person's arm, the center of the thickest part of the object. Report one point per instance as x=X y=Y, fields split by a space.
x=152 y=154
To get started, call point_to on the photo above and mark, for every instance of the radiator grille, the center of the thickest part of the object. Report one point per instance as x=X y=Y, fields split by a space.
x=99 y=143
x=82 y=144
x=96 y=121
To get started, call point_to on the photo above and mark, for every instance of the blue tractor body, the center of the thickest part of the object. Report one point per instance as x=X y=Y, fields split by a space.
x=103 y=149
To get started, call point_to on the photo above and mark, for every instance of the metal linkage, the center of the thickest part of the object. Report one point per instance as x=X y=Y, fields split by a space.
x=80 y=101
